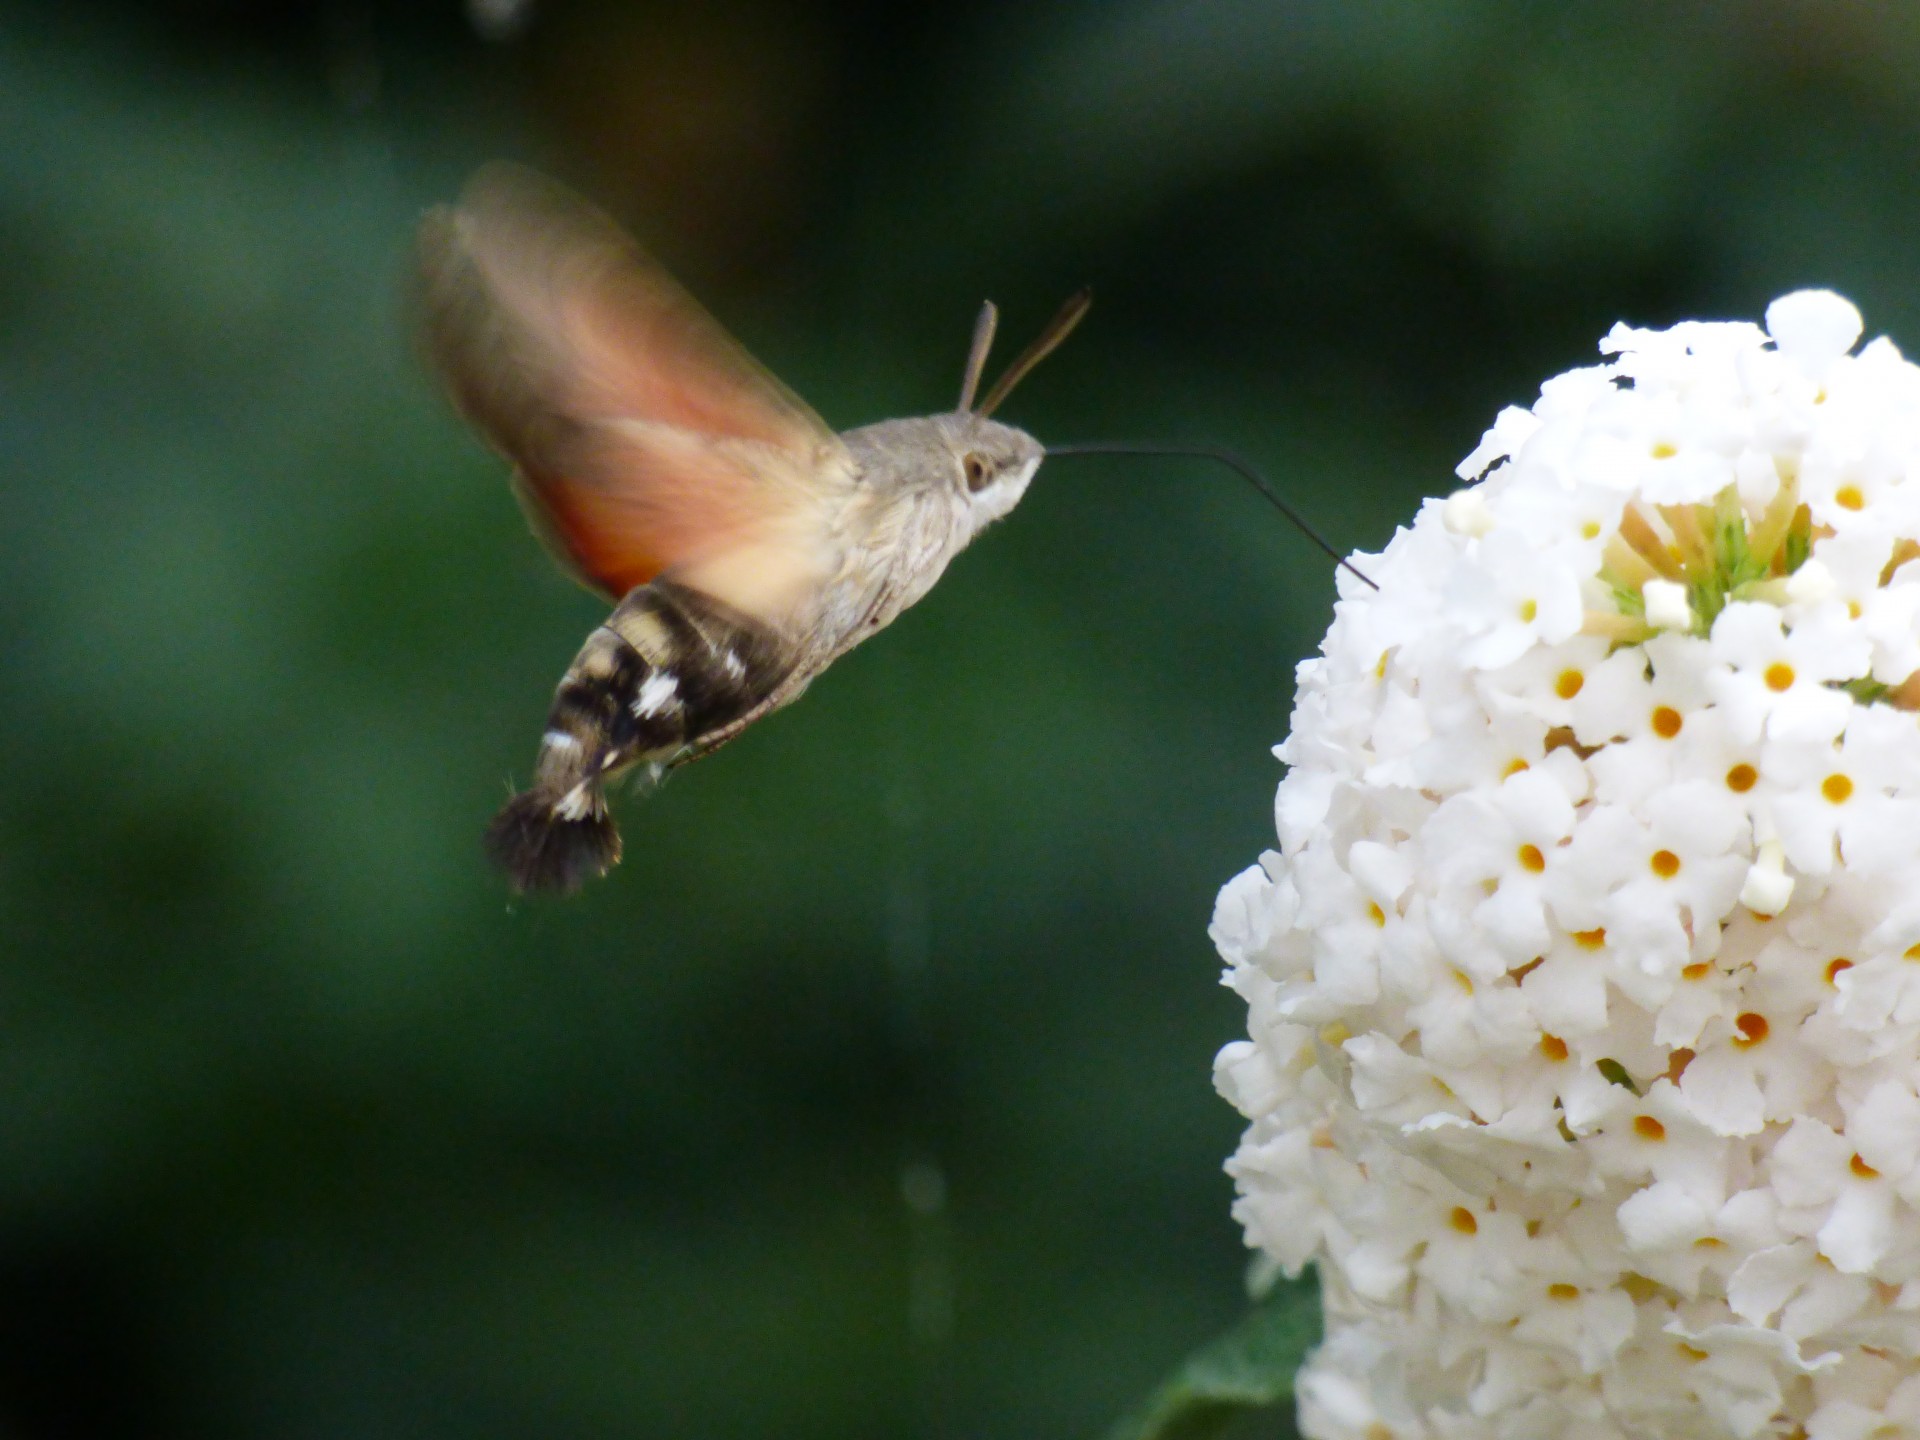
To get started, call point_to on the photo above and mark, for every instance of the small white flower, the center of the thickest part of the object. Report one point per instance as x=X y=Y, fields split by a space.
x=1583 y=1053
x=1779 y=683
x=1514 y=598
x=1859 y=800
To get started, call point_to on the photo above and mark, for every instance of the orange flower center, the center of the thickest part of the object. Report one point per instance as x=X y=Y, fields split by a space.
x=1753 y=1029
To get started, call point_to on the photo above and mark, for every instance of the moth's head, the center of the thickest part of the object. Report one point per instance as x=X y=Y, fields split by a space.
x=989 y=464
x=962 y=465
x=994 y=463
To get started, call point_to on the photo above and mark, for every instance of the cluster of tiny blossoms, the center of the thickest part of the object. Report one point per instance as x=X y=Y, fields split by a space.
x=1584 y=986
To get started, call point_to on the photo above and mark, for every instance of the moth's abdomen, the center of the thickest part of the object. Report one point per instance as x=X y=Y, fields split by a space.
x=670 y=674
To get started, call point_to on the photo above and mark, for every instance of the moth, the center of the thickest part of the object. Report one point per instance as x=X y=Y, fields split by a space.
x=746 y=545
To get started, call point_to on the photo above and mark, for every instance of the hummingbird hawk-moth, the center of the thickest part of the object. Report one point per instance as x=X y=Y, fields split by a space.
x=746 y=545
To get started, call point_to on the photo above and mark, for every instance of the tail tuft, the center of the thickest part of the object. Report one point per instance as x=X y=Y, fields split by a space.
x=542 y=844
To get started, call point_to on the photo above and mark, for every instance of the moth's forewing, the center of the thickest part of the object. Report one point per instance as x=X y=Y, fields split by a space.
x=644 y=440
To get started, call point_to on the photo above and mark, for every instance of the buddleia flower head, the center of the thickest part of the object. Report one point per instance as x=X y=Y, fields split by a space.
x=1584 y=983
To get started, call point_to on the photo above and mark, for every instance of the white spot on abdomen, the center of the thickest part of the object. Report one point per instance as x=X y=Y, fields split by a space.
x=575 y=804
x=657 y=692
x=730 y=662
x=560 y=742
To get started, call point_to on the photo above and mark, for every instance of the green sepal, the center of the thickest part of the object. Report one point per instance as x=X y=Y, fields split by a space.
x=1866 y=690
x=1249 y=1368
x=1616 y=1073
x=1628 y=600
x=1799 y=542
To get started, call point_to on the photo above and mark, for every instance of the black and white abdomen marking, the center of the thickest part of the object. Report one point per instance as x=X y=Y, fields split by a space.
x=671 y=673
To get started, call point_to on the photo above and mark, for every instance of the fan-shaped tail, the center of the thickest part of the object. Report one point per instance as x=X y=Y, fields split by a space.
x=548 y=841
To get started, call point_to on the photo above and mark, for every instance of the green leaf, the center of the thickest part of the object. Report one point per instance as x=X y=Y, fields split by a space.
x=1249 y=1368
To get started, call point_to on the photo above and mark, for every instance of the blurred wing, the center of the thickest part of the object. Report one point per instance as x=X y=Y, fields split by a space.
x=643 y=439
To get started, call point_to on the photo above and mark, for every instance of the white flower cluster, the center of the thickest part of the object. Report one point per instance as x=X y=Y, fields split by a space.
x=1584 y=987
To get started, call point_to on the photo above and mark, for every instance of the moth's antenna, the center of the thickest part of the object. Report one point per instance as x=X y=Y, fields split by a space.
x=983 y=329
x=1044 y=344
x=1233 y=461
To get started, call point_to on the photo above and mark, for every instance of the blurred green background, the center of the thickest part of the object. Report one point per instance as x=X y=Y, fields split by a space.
x=870 y=1096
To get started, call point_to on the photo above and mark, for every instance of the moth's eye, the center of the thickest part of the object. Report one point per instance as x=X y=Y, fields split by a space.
x=978 y=472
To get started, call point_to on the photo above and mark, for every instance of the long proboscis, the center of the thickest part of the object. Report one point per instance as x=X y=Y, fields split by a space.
x=1233 y=460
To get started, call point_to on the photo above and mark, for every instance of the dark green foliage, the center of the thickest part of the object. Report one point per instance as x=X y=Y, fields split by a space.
x=1245 y=1372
